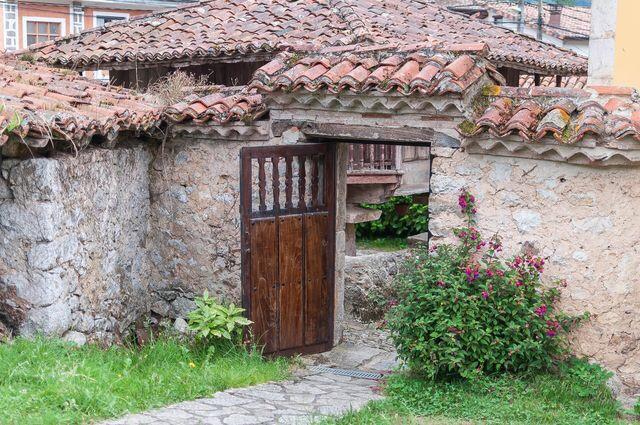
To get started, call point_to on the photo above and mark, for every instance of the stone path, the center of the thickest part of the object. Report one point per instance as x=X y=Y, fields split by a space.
x=302 y=400
x=299 y=401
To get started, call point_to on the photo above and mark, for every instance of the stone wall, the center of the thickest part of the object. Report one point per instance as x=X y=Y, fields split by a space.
x=369 y=283
x=195 y=219
x=582 y=219
x=73 y=243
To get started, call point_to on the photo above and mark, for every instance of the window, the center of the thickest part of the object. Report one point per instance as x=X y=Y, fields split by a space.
x=10 y=26
x=77 y=21
x=41 y=31
x=101 y=18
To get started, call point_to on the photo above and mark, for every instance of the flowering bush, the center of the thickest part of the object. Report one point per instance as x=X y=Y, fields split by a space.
x=464 y=310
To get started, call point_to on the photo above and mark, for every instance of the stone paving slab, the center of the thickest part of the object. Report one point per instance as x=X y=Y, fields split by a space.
x=299 y=401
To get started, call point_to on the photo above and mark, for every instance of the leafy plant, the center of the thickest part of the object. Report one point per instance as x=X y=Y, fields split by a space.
x=393 y=224
x=587 y=379
x=462 y=310
x=215 y=322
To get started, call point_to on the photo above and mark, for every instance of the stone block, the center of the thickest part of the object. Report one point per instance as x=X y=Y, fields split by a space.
x=5 y=190
x=53 y=320
x=34 y=221
x=526 y=220
x=441 y=183
x=36 y=179
x=45 y=256
x=356 y=214
x=39 y=288
x=77 y=338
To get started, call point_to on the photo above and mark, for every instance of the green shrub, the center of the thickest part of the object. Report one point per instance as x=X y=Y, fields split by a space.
x=588 y=380
x=462 y=310
x=214 y=323
x=393 y=224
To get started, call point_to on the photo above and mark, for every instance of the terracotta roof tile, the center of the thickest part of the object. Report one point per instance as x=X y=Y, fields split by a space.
x=214 y=28
x=568 y=116
x=40 y=104
x=230 y=104
x=399 y=71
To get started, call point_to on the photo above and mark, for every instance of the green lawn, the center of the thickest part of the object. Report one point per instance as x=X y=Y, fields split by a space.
x=382 y=244
x=543 y=399
x=50 y=382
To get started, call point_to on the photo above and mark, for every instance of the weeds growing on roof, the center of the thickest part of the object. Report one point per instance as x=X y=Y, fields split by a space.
x=172 y=88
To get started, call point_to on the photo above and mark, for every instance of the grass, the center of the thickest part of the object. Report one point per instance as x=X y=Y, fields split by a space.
x=542 y=399
x=382 y=244
x=50 y=382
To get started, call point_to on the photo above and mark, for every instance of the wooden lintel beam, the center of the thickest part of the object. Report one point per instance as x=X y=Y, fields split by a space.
x=368 y=134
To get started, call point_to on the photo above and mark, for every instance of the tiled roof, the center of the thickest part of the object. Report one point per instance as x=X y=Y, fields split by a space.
x=225 y=105
x=210 y=28
x=40 y=104
x=568 y=115
x=361 y=71
x=216 y=28
x=575 y=21
x=418 y=21
x=572 y=81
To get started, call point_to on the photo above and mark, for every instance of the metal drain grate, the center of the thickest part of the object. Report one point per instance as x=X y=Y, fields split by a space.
x=344 y=372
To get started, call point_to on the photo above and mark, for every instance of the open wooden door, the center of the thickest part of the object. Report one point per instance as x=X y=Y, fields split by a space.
x=288 y=245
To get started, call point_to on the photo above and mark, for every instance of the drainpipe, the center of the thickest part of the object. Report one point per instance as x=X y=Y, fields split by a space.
x=521 y=17
x=540 y=22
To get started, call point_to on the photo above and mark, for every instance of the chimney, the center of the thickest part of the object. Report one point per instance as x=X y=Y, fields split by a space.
x=614 y=50
x=555 y=16
x=602 y=41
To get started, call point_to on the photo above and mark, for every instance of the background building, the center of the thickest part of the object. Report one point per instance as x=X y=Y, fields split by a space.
x=26 y=23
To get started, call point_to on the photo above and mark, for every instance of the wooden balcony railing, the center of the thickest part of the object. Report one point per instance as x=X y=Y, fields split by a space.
x=372 y=157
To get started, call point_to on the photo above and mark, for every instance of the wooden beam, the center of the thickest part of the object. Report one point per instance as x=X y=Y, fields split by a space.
x=367 y=134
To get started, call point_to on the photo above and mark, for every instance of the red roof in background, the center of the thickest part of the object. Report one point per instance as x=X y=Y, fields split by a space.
x=41 y=103
x=573 y=22
x=215 y=28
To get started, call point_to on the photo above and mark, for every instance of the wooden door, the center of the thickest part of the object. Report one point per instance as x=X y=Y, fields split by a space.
x=288 y=238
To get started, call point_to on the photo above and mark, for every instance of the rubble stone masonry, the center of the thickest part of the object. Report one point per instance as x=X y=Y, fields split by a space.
x=73 y=238
x=582 y=219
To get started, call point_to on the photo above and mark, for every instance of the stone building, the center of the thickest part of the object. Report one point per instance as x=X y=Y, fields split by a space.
x=113 y=209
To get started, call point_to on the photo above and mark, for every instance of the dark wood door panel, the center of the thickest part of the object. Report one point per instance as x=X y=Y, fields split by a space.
x=263 y=278
x=316 y=287
x=291 y=282
x=288 y=234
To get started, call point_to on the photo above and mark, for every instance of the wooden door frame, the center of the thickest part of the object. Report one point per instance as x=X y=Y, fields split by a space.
x=330 y=187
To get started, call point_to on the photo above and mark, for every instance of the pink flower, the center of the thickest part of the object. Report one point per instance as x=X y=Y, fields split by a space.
x=485 y=294
x=441 y=284
x=472 y=273
x=551 y=333
x=541 y=311
x=519 y=283
x=462 y=202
